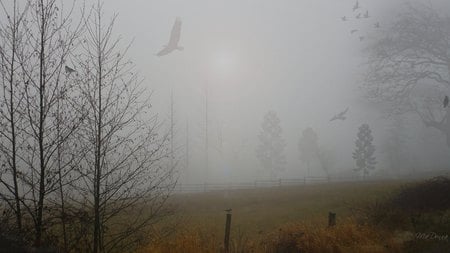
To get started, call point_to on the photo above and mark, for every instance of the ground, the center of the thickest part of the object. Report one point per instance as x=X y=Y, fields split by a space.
x=286 y=219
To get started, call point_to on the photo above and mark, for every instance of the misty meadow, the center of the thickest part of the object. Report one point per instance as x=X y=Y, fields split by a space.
x=224 y=126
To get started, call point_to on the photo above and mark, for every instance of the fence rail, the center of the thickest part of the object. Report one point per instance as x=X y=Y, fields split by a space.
x=206 y=187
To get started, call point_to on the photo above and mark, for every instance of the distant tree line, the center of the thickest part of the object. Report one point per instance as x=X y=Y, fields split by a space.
x=270 y=150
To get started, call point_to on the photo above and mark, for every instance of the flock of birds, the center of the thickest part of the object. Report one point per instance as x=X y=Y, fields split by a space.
x=175 y=35
x=359 y=15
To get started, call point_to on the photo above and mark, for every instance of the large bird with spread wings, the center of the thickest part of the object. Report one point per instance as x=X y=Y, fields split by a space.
x=174 y=39
x=340 y=115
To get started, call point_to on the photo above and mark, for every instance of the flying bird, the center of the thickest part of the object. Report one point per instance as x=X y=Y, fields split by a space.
x=353 y=31
x=174 y=39
x=69 y=70
x=445 y=101
x=366 y=15
x=356 y=6
x=340 y=115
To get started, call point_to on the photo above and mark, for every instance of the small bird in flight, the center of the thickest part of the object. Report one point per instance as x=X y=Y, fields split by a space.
x=174 y=39
x=366 y=15
x=69 y=70
x=445 y=101
x=340 y=115
x=356 y=6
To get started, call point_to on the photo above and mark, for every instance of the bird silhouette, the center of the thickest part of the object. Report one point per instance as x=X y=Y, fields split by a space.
x=353 y=31
x=174 y=39
x=356 y=6
x=69 y=70
x=340 y=115
x=445 y=101
x=366 y=15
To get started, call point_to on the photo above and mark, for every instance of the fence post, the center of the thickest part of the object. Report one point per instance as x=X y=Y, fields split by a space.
x=226 y=240
x=331 y=219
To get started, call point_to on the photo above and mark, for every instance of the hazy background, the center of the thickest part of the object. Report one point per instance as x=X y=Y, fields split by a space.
x=294 y=57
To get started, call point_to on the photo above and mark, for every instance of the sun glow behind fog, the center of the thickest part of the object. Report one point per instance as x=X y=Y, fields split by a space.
x=224 y=64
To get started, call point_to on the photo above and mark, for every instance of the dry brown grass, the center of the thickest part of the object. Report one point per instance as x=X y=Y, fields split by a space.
x=294 y=220
x=347 y=237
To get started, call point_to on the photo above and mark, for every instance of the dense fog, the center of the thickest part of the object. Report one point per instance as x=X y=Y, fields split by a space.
x=296 y=58
x=307 y=61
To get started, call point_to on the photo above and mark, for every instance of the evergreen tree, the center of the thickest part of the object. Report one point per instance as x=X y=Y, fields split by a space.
x=270 y=151
x=364 y=152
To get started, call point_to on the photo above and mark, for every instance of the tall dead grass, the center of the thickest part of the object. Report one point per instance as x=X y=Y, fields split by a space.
x=346 y=237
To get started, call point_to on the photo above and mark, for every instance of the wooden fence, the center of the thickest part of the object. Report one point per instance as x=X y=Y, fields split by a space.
x=206 y=187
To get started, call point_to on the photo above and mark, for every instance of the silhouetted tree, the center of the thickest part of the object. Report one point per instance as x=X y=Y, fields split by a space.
x=308 y=147
x=326 y=159
x=270 y=150
x=11 y=99
x=409 y=66
x=125 y=178
x=50 y=35
x=36 y=41
x=394 y=146
x=364 y=151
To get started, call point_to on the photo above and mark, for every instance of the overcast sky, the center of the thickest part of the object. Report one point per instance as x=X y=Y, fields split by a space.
x=295 y=57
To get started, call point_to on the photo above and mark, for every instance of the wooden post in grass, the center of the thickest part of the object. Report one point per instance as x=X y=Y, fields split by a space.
x=331 y=219
x=226 y=241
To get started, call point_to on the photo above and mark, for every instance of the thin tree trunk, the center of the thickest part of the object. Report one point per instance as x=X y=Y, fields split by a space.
x=308 y=168
x=97 y=220
x=61 y=192
x=42 y=81
x=12 y=121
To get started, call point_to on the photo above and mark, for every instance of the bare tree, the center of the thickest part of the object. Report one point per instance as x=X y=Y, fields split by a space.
x=409 y=66
x=49 y=38
x=125 y=178
x=11 y=38
x=327 y=159
x=270 y=150
x=394 y=146
x=308 y=147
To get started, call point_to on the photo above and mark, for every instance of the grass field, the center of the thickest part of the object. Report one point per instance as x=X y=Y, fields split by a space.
x=278 y=214
x=262 y=210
